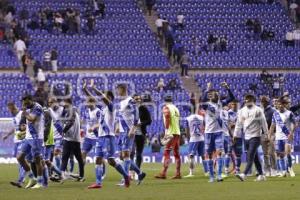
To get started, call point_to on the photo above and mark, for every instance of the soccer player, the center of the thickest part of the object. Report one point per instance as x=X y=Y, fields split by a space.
x=92 y=125
x=283 y=126
x=171 y=118
x=56 y=112
x=227 y=139
x=252 y=120
x=195 y=133
x=128 y=123
x=106 y=139
x=214 y=136
x=237 y=146
x=71 y=140
x=33 y=143
x=19 y=132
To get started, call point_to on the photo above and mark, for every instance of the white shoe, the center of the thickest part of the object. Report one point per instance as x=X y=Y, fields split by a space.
x=282 y=174
x=189 y=176
x=260 y=178
x=242 y=177
x=206 y=174
x=268 y=173
x=37 y=186
x=292 y=173
x=31 y=183
x=273 y=173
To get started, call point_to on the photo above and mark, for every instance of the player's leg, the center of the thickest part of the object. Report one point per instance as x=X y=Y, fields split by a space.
x=166 y=162
x=78 y=156
x=57 y=152
x=288 y=152
x=267 y=164
x=192 y=152
x=226 y=155
x=280 y=150
x=21 y=174
x=272 y=153
x=219 y=145
x=238 y=151
x=140 y=143
x=86 y=148
x=201 y=153
x=209 y=149
x=175 y=147
x=37 y=152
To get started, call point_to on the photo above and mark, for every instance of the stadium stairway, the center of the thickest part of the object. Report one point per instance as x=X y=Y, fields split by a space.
x=191 y=86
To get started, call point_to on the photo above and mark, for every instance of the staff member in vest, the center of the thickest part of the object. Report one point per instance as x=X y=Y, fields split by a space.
x=252 y=120
x=171 y=118
x=140 y=136
x=71 y=139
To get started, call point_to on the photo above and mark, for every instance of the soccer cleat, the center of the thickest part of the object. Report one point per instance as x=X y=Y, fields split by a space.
x=80 y=179
x=178 y=176
x=225 y=175
x=141 y=177
x=211 y=180
x=31 y=183
x=189 y=176
x=291 y=172
x=37 y=186
x=220 y=179
x=268 y=173
x=260 y=178
x=273 y=173
x=160 y=176
x=55 y=179
x=242 y=177
x=206 y=174
x=95 y=186
x=16 y=184
x=282 y=174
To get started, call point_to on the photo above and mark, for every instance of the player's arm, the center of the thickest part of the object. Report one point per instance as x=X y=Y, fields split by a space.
x=105 y=99
x=264 y=122
x=167 y=115
x=31 y=117
x=238 y=126
x=86 y=90
x=136 y=120
x=188 y=133
x=11 y=132
x=230 y=96
x=293 y=127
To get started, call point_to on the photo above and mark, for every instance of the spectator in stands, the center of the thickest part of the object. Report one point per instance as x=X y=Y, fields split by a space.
x=155 y=146
x=53 y=58
x=20 y=48
x=293 y=11
x=296 y=34
x=41 y=78
x=159 y=26
x=178 y=50
x=77 y=21
x=58 y=21
x=184 y=63
x=289 y=39
x=196 y=44
x=150 y=4
x=180 y=20
x=91 y=23
x=211 y=42
x=193 y=102
x=276 y=87
x=23 y=16
x=223 y=43
x=172 y=85
x=101 y=6
x=161 y=85
x=47 y=61
x=25 y=61
x=8 y=18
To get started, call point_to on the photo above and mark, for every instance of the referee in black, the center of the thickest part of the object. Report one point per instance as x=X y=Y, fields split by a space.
x=140 y=136
x=71 y=139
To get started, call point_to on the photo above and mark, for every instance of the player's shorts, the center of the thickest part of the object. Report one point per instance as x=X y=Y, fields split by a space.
x=126 y=142
x=33 y=147
x=238 y=146
x=196 y=148
x=48 y=151
x=88 y=144
x=58 y=144
x=227 y=144
x=106 y=147
x=17 y=148
x=280 y=146
x=214 y=141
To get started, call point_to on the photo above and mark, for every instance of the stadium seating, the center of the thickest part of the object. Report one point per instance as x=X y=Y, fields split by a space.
x=8 y=58
x=228 y=17
x=121 y=40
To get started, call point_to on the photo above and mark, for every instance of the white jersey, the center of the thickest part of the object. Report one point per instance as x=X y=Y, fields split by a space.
x=56 y=115
x=213 y=121
x=35 y=130
x=73 y=134
x=283 y=122
x=17 y=121
x=196 y=127
x=107 y=121
x=128 y=115
x=225 y=120
x=232 y=120
x=93 y=118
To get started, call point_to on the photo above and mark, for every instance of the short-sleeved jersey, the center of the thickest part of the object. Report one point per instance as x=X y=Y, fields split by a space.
x=107 y=121
x=196 y=127
x=16 y=121
x=93 y=118
x=225 y=120
x=35 y=130
x=232 y=116
x=283 y=122
x=213 y=121
x=127 y=114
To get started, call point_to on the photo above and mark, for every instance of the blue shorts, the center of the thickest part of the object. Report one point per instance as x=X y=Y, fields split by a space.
x=196 y=148
x=227 y=144
x=238 y=146
x=58 y=144
x=48 y=151
x=33 y=147
x=280 y=146
x=126 y=142
x=88 y=144
x=214 y=141
x=17 y=148
x=106 y=147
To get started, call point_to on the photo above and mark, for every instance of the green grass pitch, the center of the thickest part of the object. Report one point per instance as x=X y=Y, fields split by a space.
x=185 y=189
